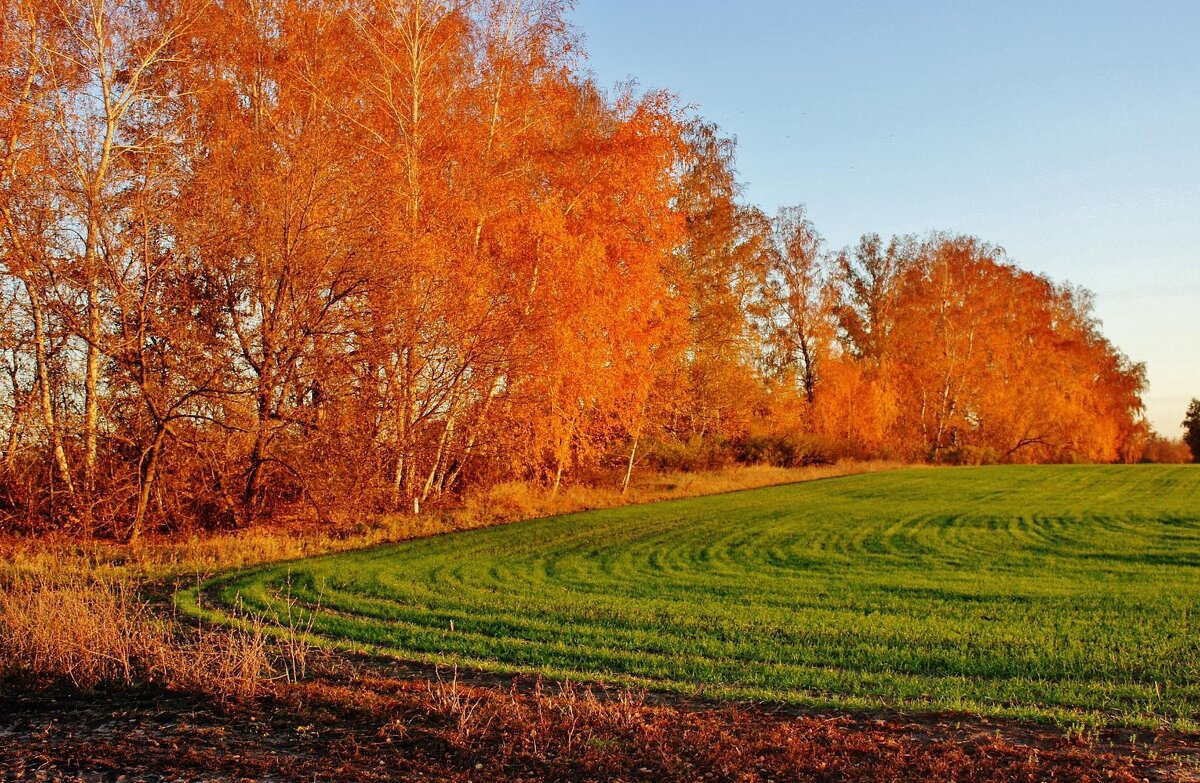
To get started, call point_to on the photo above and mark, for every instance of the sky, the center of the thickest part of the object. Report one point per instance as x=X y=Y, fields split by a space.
x=1066 y=132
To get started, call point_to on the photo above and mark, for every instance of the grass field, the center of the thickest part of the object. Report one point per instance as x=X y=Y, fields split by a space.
x=1069 y=593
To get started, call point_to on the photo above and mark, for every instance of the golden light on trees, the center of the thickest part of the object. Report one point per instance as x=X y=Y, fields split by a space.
x=267 y=254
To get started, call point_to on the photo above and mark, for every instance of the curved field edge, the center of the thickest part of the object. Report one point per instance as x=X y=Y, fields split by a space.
x=903 y=591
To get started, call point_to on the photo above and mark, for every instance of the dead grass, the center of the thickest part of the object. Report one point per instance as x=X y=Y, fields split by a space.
x=85 y=632
x=376 y=728
x=571 y=732
x=95 y=632
x=515 y=501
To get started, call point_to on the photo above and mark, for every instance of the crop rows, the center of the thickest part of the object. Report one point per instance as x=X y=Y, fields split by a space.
x=1065 y=592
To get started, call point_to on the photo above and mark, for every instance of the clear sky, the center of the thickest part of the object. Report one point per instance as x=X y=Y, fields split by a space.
x=1066 y=132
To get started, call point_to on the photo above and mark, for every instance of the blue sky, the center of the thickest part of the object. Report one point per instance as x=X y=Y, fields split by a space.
x=1066 y=132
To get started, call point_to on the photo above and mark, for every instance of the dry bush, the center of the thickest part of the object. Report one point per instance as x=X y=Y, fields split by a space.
x=92 y=632
x=1166 y=451
x=465 y=706
x=233 y=665
x=87 y=632
x=555 y=721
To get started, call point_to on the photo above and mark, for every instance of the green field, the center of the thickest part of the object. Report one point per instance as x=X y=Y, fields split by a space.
x=1069 y=593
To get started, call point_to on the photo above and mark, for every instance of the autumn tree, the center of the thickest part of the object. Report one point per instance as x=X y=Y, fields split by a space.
x=277 y=224
x=798 y=301
x=721 y=269
x=105 y=66
x=867 y=278
x=27 y=209
x=976 y=339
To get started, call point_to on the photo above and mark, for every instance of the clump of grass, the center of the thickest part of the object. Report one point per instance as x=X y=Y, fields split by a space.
x=83 y=631
x=96 y=632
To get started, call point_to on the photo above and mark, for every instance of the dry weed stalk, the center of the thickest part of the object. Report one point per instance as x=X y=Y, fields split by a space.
x=466 y=706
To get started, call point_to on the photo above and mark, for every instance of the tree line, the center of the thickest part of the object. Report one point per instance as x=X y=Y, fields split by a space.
x=260 y=256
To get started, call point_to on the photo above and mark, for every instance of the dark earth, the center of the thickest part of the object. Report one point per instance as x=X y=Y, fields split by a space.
x=371 y=720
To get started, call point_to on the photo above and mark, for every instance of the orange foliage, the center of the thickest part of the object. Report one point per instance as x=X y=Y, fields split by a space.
x=951 y=353
x=298 y=256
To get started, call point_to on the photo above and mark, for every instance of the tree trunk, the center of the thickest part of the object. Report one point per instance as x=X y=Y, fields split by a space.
x=629 y=466
x=43 y=377
x=440 y=457
x=147 y=475
x=20 y=406
x=403 y=492
x=253 y=490
x=252 y=494
x=10 y=451
x=14 y=434
x=810 y=373
x=473 y=438
x=91 y=404
x=398 y=483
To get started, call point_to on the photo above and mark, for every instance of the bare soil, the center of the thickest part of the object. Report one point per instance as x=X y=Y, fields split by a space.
x=373 y=720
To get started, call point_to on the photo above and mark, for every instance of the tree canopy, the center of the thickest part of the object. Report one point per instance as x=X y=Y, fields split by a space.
x=268 y=255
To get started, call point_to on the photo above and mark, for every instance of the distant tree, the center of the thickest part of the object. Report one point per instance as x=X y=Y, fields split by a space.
x=1191 y=429
x=1165 y=451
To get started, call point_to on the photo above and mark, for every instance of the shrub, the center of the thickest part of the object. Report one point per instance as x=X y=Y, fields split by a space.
x=695 y=454
x=784 y=451
x=970 y=455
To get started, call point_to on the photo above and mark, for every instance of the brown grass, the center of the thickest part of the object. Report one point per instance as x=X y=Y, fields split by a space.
x=515 y=501
x=85 y=632
x=89 y=633
x=456 y=731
